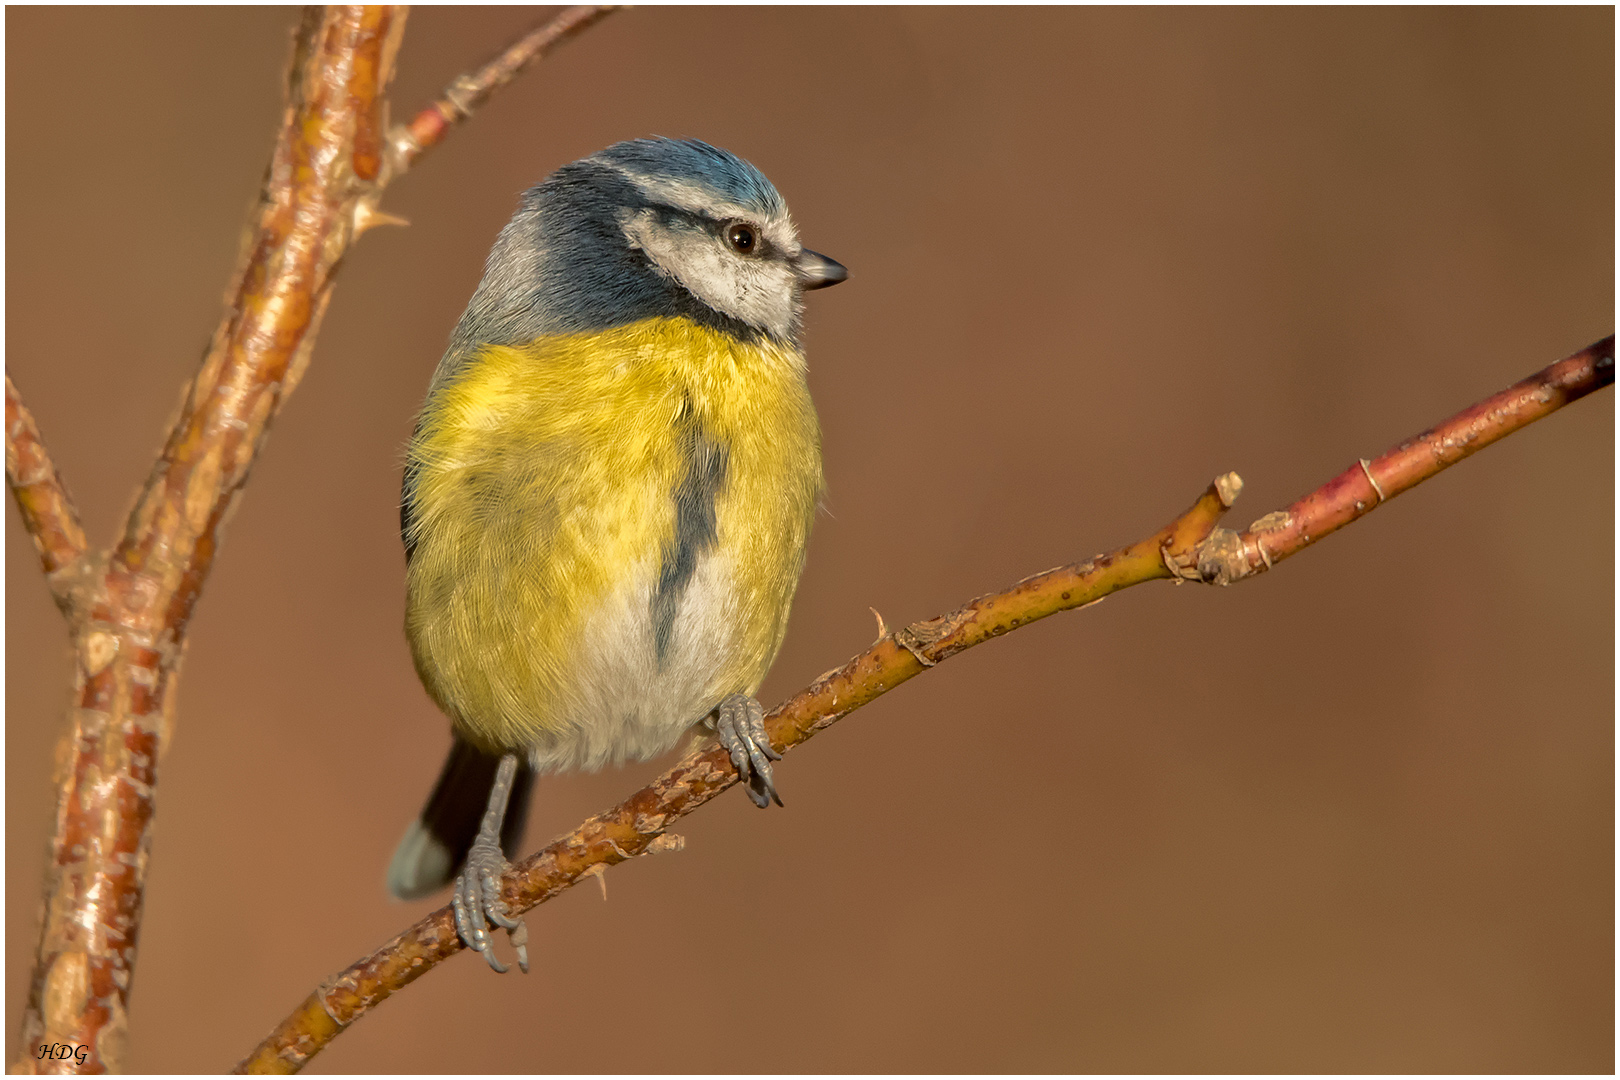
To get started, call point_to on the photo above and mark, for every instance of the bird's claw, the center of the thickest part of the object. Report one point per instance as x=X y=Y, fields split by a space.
x=477 y=902
x=740 y=724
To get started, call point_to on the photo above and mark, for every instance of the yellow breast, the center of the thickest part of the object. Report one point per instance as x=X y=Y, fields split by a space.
x=607 y=530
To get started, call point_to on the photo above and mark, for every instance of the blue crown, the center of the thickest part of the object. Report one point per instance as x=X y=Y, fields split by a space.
x=728 y=175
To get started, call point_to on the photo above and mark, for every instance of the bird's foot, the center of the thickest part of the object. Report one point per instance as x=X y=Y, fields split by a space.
x=478 y=905
x=740 y=724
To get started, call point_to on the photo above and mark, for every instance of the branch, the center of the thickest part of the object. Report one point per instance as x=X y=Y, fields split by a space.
x=129 y=647
x=468 y=92
x=1229 y=556
x=326 y=175
x=1180 y=550
x=47 y=510
x=637 y=825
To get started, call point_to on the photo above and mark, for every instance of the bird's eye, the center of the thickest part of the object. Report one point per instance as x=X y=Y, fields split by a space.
x=744 y=240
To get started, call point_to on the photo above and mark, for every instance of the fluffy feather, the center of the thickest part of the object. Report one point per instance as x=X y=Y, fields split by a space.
x=608 y=495
x=544 y=508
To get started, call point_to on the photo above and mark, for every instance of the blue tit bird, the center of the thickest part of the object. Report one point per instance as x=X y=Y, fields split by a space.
x=607 y=497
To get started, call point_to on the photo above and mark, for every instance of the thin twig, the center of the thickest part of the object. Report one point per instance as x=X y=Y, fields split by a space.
x=1177 y=551
x=463 y=96
x=1229 y=556
x=47 y=510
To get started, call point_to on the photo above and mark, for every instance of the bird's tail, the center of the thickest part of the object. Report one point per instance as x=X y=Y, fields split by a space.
x=434 y=847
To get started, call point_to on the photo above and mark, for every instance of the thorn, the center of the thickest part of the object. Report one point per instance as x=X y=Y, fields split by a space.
x=599 y=872
x=883 y=631
x=367 y=217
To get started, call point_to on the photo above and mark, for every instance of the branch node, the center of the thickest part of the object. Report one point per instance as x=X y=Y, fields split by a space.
x=1272 y=522
x=462 y=96
x=98 y=649
x=916 y=638
x=1220 y=558
x=1181 y=569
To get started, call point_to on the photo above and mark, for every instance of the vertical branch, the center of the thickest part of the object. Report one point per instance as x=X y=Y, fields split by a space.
x=325 y=166
x=333 y=157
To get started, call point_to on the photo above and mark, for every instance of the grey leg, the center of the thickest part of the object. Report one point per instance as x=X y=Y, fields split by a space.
x=740 y=723
x=477 y=899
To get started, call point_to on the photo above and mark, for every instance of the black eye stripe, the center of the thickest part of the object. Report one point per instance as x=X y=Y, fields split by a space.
x=675 y=216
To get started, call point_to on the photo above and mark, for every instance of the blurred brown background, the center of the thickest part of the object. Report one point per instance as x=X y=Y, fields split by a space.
x=1354 y=815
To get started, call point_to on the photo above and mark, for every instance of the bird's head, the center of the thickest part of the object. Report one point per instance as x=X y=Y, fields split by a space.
x=647 y=228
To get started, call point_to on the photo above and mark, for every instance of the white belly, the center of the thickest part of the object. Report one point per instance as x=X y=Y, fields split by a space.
x=624 y=702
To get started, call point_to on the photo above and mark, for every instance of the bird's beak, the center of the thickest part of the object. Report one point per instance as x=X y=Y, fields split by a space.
x=818 y=271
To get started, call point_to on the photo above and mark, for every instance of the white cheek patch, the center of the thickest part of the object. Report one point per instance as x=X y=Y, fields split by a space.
x=759 y=292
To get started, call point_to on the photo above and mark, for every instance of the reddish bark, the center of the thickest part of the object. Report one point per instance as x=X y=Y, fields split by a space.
x=131 y=637
x=1230 y=556
x=129 y=608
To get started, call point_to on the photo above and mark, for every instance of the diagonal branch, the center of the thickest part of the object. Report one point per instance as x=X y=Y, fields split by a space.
x=1181 y=550
x=1229 y=556
x=468 y=92
x=331 y=162
x=43 y=500
x=637 y=825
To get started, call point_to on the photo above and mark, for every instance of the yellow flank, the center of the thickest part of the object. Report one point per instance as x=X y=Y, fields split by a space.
x=545 y=479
